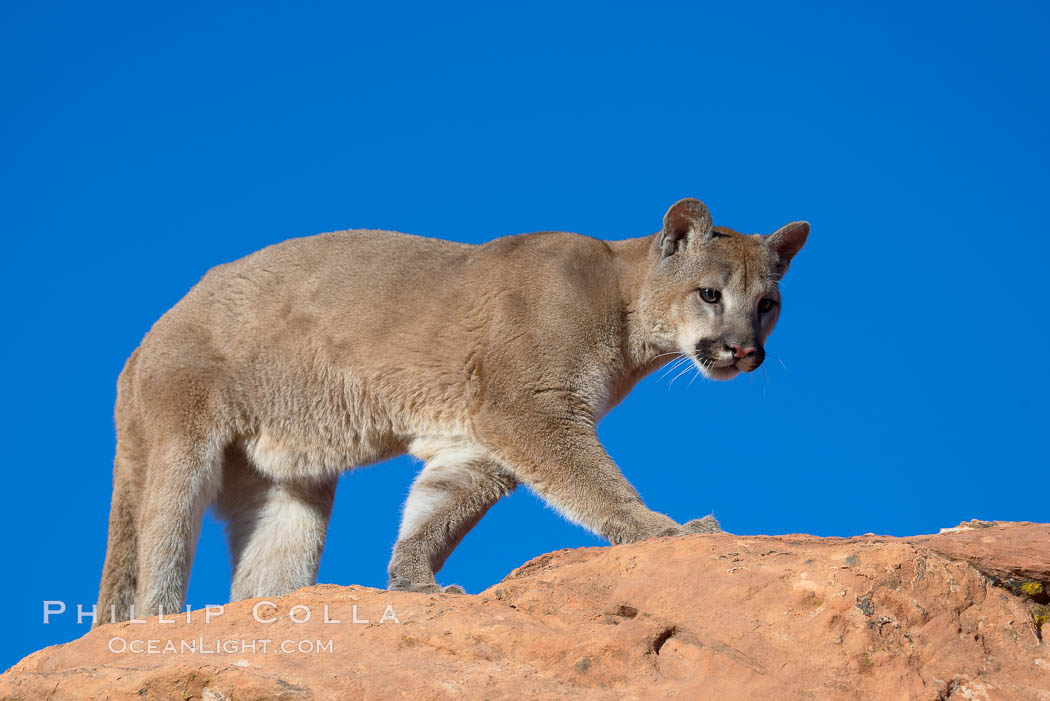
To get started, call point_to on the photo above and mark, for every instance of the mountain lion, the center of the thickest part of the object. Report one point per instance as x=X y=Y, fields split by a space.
x=491 y=363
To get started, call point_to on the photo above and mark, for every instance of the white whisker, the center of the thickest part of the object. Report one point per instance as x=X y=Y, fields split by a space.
x=688 y=368
x=672 y=366
x=777 y=358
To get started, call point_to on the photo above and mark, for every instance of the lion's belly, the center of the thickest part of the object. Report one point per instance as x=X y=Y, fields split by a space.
x=318 y=427
x=307 y=457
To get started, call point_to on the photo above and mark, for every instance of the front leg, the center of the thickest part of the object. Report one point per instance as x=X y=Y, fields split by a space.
x=458 y=484
x=559 y=456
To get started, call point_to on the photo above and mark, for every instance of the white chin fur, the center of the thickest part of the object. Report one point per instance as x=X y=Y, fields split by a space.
x=726 y=373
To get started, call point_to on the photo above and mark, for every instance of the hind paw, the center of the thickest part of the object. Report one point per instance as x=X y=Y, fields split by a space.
x=402 y=584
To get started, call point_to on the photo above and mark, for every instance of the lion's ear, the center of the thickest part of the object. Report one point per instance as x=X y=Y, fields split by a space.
x=688 y=217
x=786 y=241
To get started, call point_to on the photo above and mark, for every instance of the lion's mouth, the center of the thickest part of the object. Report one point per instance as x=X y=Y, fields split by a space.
x=713 y=363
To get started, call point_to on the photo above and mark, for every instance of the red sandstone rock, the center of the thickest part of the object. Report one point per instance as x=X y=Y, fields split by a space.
x=707 y=616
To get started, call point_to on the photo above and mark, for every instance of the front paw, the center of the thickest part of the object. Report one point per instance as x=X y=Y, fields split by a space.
x=707 y=524
x=402 y=584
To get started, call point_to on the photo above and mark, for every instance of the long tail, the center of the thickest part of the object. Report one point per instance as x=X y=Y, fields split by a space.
x=120 y=572
x=118 y=588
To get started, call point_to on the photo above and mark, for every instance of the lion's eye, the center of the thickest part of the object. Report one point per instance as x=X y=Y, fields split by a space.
x=709 y=295
x=765 y=305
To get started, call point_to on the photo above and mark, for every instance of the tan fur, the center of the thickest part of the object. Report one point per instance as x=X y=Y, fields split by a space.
x=491 y=363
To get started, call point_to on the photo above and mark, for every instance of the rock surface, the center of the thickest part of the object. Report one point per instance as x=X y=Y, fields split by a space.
x=953 y=615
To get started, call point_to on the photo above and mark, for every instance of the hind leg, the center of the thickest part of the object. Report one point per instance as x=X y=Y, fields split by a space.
x=181 y=480
x=276 y=530
x=457 y=486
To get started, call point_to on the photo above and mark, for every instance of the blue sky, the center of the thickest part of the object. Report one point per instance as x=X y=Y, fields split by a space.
x=143 y=144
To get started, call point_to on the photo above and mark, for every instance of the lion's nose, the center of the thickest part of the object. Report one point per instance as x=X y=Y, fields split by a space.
x=741 y=351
